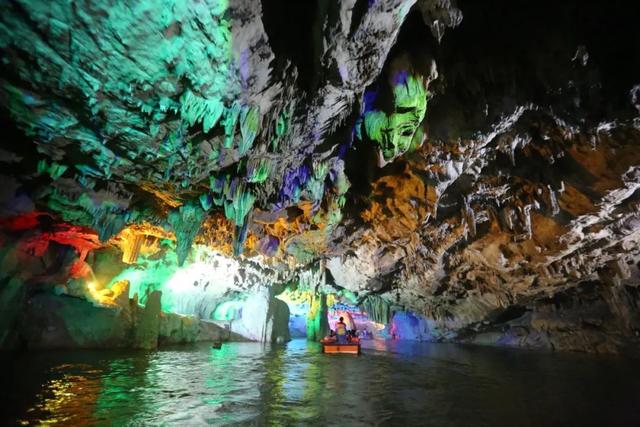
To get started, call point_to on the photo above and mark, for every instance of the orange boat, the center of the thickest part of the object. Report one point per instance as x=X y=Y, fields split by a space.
x=330 y=345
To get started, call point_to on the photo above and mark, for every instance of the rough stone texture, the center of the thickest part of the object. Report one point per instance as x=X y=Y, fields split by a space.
x=525 y=193
x=148 y=323
x=67 y=322
x=11 y=304
x=407 y=326
x=49 y=321
x=176 y=329
x=317 y=322
x=262 y=317
x=507 y=213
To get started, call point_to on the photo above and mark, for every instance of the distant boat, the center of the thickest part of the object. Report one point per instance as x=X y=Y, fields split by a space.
x=217 y=345
x=331 y=346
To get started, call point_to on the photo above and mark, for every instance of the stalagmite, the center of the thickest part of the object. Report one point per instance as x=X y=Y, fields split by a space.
x=317 y=324
x=148 y=324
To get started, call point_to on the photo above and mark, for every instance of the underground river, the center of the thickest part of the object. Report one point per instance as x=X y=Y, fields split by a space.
x=392 y=383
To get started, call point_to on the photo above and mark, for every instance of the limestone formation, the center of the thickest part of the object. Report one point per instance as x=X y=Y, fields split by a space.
x=148 y=324
x=454 y=166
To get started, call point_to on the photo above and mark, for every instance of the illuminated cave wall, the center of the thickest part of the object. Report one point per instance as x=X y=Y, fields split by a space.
x=455 y=170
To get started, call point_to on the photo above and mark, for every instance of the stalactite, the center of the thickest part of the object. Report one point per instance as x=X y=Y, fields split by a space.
x=469 y=217
x=377 y=308
x=526 y=213
x=249 y=127
x=185 y=221
x=292 y=184
x=131 y=246
x=258 y=170
x=55 y=170
x=195 y=109
x=281 y=127
x=553 y=201
x=108 y=224
x=230 y=120
x=394 y=133
x=206 y=201
x=312 y=277
x=315 y=185
x=238 y=204
x=239 y=238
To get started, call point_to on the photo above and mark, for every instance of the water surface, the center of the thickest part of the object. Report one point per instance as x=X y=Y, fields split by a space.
x=294 y=384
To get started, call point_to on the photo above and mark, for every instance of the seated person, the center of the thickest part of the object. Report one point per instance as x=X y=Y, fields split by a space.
x=341 y=331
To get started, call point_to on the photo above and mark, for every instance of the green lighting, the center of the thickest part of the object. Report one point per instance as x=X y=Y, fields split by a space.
x=228 y=310
x=394 y=133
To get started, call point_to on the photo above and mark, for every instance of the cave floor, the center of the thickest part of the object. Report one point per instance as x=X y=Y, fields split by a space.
x=294 y=384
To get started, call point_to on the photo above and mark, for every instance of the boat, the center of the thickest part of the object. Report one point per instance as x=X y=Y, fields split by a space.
x=331 y=345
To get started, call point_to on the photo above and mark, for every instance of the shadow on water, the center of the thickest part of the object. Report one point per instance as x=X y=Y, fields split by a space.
x=392 y=383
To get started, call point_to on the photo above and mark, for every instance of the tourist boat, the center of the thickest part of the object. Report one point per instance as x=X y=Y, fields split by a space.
x=330 y=345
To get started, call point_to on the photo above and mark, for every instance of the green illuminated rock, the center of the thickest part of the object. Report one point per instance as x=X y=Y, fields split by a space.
x=259 y=171
x=148 y=327
x=249 y=127
x=394 y=132
x=377 y=308
x=317 y=322
x=185 y=221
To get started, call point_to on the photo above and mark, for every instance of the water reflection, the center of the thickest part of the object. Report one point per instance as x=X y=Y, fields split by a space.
x=77 y=392
x=294 y=384
x=117 y=390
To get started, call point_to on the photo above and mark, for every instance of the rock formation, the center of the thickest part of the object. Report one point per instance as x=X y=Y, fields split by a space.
x=472 y=168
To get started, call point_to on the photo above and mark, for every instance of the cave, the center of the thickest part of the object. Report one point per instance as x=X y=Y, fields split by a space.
x=205 y=199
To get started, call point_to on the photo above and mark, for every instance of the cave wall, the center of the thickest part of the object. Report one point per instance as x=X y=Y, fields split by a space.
x=472 y=165
x=525 y=188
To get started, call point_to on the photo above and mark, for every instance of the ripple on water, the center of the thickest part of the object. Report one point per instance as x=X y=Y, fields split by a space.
x=250 y=383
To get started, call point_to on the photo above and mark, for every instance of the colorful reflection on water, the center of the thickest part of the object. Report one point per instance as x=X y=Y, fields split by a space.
x=294 y=384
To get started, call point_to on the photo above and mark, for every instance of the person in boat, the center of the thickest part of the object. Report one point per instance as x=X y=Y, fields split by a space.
x=341 y=331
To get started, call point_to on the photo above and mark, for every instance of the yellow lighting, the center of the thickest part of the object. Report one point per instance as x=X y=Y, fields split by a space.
x=378 y=326
x=99 y=296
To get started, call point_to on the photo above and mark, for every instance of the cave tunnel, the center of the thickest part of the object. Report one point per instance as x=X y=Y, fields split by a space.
x=194 y=193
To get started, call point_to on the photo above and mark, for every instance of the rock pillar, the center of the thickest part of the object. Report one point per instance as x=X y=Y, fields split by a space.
x=148 y=325
x=263 y=317
x=317 y=322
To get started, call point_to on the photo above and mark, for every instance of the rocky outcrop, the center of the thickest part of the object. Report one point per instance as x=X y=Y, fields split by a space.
x=50 y=321
x=260 y=317
x=66 y=322
x=176 y=329
x=515 y=199
x=317 y=323
x=408 y=326
x=146 y=336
